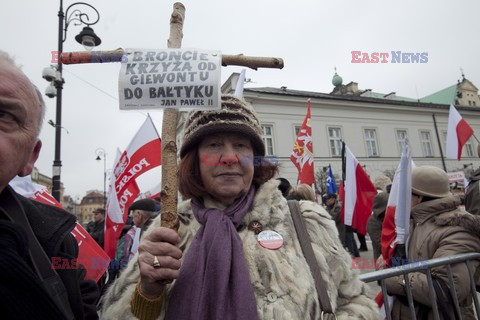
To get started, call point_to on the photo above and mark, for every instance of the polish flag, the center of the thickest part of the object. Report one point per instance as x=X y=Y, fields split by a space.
x=396 y=224
x=152 y=193
x=88 y=249
x=116 y=214
x=341 y=195
x=302 y=154
x=142 y=154
x=27 y=188
x=381 y=305
x=458 y=133
x=359 y=194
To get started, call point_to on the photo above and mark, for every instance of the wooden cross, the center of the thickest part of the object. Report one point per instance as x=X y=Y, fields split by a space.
x=170 y=116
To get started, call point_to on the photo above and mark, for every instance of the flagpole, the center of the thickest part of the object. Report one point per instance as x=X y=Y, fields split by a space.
x=344 y=164
x=439 y=143
x=476 y=138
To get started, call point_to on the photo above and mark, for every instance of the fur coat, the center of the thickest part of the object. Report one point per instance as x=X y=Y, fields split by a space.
x=281 y=279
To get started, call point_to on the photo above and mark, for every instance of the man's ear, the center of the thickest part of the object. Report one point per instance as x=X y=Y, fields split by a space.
x=27 y=169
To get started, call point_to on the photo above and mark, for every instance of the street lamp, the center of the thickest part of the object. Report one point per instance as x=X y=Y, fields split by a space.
x=89 y=40
x=100 y=152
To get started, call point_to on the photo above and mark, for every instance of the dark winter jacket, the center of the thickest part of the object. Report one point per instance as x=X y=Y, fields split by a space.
x=22 y=294
x=96 y=230
x=334 y=211
x=472 y=196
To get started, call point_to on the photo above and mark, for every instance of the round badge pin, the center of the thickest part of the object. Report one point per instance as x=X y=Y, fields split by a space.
x=270 y=239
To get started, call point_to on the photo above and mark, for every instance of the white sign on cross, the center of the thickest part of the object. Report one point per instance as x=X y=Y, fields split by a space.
x=170 y=78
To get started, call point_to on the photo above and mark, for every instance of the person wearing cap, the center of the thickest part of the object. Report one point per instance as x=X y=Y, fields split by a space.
x=472 y=193
x=96 y=227
x=221 y=265
x=375 y=221
x=141 y=211
x=333 y=206
x=438 y=228
x=284 y=186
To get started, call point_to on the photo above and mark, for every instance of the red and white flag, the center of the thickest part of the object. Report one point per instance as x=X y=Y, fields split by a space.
x=381 y=304
x=142 y=154
x=359 y=194
x=458 y=133
x=152 y=193
x=27 y=188
x=395 y=228
x=302 y=154
x=89 y=252
x=396 y=224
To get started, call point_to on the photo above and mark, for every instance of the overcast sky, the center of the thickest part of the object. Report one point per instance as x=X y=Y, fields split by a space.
x=311 y=36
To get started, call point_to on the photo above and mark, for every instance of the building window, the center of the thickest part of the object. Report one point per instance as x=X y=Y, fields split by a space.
x=335 y=139
x=268 y=139
x=444 y=141
x=426 y=141
x=401 y=135
x=297 y=130
x=371 y=142
x=468 y=148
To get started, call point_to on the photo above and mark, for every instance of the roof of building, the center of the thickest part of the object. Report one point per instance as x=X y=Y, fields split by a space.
x=379 y=95
x=310 y=94
x=445 y=96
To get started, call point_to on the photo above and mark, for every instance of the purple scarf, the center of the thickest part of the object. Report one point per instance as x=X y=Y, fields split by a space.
x=214 y=282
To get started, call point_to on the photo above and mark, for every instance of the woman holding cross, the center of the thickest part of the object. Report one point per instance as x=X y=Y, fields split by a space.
x=237 y=254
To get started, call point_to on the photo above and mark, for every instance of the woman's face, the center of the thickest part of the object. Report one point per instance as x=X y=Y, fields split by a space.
x=226 y=166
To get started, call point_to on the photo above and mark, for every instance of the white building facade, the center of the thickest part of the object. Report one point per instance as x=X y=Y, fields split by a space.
x=373 y=129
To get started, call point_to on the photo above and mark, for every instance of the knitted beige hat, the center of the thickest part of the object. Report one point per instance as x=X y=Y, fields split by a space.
x=235 y=116
x=430 y=181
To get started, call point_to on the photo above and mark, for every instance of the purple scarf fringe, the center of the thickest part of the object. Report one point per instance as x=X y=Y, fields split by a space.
x=214 y=282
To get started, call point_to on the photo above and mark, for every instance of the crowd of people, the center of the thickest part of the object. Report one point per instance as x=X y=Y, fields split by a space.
x=237 y=253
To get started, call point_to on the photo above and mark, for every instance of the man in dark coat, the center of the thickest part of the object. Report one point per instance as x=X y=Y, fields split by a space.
x=35 y=239
x=472 y=195
x=96 y=227
x=375 y=221
x=333 y=207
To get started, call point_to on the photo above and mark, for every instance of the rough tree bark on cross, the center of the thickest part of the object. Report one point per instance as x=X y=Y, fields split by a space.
x=170 y=116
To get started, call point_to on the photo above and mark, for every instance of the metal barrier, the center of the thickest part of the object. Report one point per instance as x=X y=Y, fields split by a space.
x=425 y=267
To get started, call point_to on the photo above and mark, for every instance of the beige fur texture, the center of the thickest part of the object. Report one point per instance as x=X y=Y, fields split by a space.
x=281 y=278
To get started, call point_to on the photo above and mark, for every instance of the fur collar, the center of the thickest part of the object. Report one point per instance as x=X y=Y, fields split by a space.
x=459 y=218
x=267 y=199
x=426 y=210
